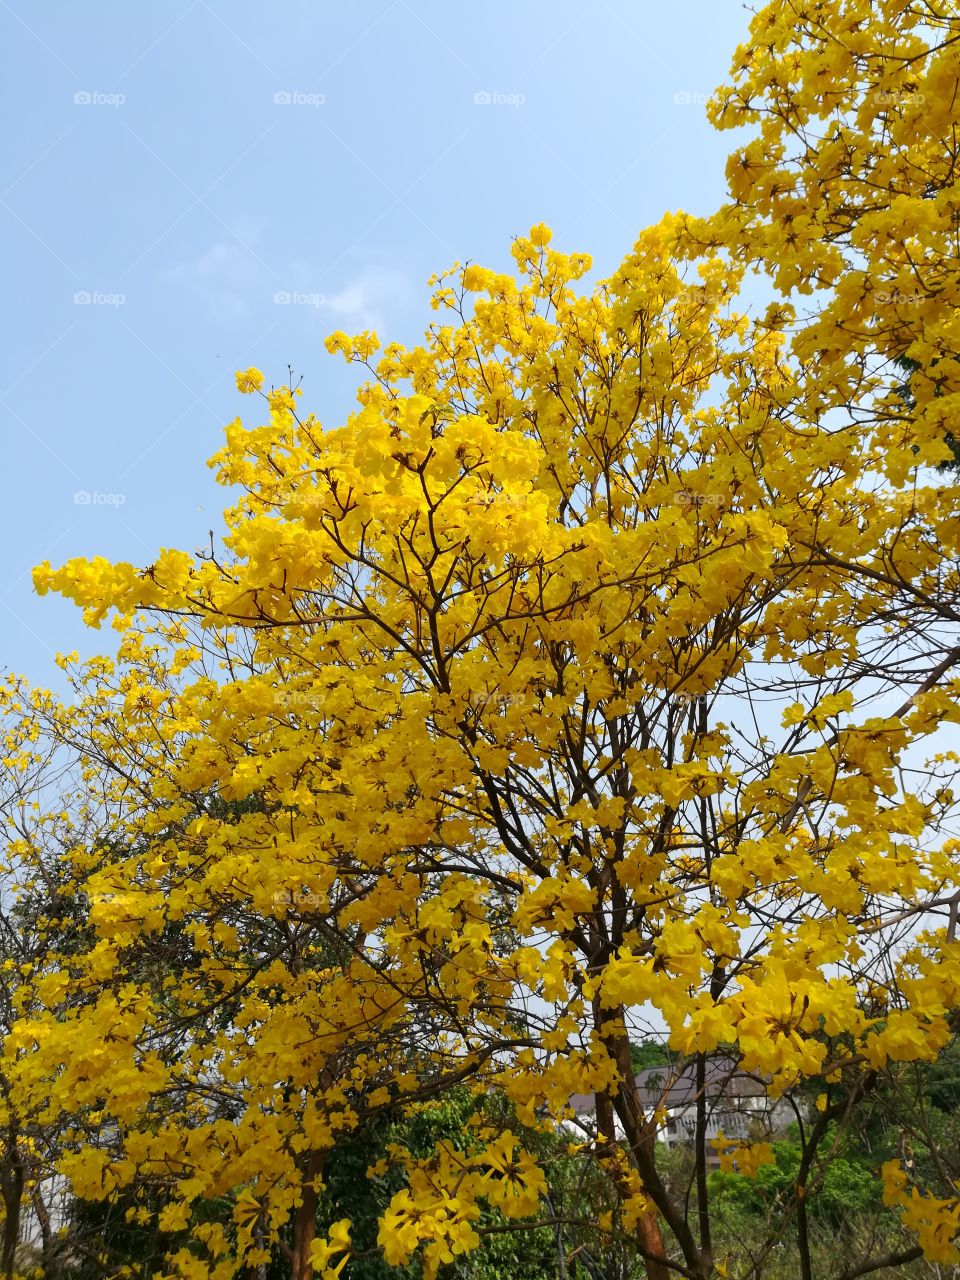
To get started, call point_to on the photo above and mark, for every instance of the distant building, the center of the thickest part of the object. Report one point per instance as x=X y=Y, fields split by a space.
x=737 y=1104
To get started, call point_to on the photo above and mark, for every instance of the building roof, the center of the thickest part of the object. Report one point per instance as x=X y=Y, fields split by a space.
x=676 y=1086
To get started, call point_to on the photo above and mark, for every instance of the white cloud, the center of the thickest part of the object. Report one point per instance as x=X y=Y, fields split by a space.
x=367 y=301
x=225 y=278
x=232 y=283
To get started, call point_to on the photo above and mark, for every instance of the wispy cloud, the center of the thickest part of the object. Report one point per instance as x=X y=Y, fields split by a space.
x=369 y=300
x=227 y=279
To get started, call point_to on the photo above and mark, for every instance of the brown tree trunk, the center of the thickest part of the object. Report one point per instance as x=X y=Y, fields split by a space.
x=651 y=1241
x=11 y=1185
x=46 y=1230
x=648 y=1226
x=305 y=1223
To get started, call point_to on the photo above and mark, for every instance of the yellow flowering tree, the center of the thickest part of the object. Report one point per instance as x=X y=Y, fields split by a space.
x=601 y=667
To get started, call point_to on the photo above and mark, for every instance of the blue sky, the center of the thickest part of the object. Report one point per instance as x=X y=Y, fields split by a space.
x=177 y=170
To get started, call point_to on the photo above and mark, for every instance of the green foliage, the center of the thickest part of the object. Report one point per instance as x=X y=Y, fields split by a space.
x=509 y=1250
x=650 y=1053
x=105 y=1236
x=842 y=1189
x=521 y=1254
x=908 y=367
